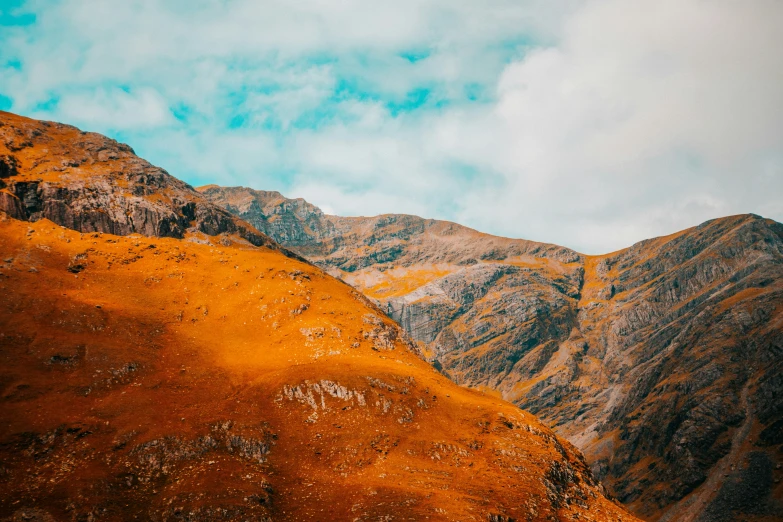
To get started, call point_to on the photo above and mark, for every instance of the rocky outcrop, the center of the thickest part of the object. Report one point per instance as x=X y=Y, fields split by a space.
x=90 y=183
x=295 y=221
x=662 y=362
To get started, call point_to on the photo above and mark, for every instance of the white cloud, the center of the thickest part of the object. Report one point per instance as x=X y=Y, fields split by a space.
x=599 y=122
x=370 y=202
x=644 y=119
x=641 y=114
x=113 y=108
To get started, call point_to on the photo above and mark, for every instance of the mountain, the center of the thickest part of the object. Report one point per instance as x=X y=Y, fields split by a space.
x=184 y=367
x=91 y=183
x=661 y=362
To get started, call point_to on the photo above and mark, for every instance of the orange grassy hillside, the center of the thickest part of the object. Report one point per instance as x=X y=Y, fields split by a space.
x=165 y=379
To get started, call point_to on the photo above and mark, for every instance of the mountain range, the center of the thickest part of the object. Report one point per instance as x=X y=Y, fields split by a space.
x=172 y=353
x=163 y=360
x=661 y=362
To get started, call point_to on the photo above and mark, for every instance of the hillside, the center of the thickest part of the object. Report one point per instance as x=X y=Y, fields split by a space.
x=199 y=376
x=662 y=362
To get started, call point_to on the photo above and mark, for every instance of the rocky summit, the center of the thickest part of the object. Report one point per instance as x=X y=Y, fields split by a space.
x=662 y=362
x=165 y=360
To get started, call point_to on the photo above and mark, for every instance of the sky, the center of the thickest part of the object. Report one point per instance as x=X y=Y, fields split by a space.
x=592 y=124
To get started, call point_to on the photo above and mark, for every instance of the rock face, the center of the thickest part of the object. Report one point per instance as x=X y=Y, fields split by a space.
x=90 y=183
x=206 y=379
x=662 y=362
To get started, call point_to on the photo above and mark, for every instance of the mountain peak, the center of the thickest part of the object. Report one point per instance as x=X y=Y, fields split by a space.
x=91 y=183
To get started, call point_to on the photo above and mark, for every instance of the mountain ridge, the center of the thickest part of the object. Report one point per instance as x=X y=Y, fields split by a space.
x=273 y=196
x=91 y=183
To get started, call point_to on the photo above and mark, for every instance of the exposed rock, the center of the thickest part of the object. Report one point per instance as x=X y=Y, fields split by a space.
x=389 y=239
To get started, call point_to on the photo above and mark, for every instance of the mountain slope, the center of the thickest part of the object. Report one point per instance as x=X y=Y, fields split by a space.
x=454 y=289
x=661 y=361
x=689 y=333
x=197 y=376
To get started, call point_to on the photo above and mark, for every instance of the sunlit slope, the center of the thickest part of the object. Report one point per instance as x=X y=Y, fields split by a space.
x=162 y=379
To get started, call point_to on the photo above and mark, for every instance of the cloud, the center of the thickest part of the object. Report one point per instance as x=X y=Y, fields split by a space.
x=646 y=117
x=642 y=120
x=115 y=108
x=590 y=123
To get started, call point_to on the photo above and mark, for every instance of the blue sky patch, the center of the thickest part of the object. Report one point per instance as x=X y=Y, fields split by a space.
x=11 y=14
x=414 y=56
x=5 y=103
x=413 y=100
x=47 y=105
